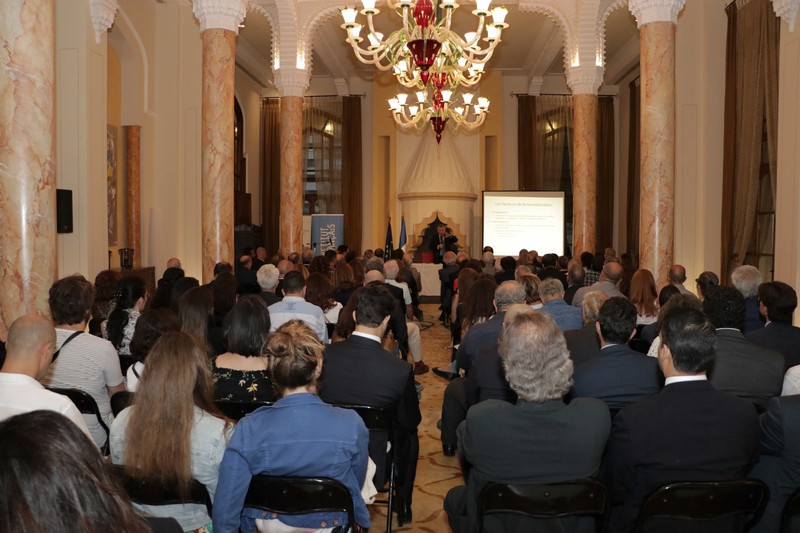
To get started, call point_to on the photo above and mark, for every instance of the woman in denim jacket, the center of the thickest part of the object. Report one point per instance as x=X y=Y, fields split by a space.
x=174 y=431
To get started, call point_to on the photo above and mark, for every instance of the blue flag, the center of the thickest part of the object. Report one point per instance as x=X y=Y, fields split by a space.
x=402 y=244
x=389 y=241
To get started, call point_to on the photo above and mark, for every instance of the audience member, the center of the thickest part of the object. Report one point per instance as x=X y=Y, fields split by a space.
x=575 y=277
x=267 y=277
x=303 y=270
x=618 y=375
x=688 y=432
x=508 y=265
x=609 y=278
x=551 y=270
x=466 y=278
x=498 y=439
x=105 y=285
x=221 y=268
x=320 y=265
x=224 y=289
x=334 y=441
x=162 y=297
x=594 y=270
x=740 y=367
x=242 y=373
x=392 y=269
x=319 y=291
x=666 y=302
x=643 y=296
x=488 y=264
x=82 y=361
x=31 y=342
x=307 y=255
x=294 y=306
x=260 y=259
x=523 y=270
x=413 y=278
x=746 y=279
x=705 y=282
x=447 y=277
x=677 y=277
x=552 y=294
x=628 y=270
x=174 y=262
x=777 y=302
x=196 y=314
x=246 y=276
x=344 y=283
x=284 y=267
x=151 y=325
x=359 y=371
x=182 y=286
x=584 y=343
x=530 y=282
x=129 y=301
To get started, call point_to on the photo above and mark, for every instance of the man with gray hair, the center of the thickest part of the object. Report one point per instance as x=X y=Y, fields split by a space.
x=746 y=279
x=610 y=277
x=584 y=343
x=551 y=291
x=488 y=263
x=267 y=277
x=498 y=439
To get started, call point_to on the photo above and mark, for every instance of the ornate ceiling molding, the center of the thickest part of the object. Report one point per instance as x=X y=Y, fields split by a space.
x=292 y=81
x=220 y=14
x=102 y=13
x=647 y=11
x=585 y=79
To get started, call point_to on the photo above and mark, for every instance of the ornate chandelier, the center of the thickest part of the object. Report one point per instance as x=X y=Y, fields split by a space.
x=425 y=46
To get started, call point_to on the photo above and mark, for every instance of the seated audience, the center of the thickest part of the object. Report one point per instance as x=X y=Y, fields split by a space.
x=131 y=297
x=688 y=432
x=466 y=278
x=575 y=277
x=740 y=367
x=29 y=351
x=552 y=295
x=488 y=263
x=174 y=432
x=293 y=306
x=105 y=285
x=705 y=282
x=592 y=266
x=150 y=326
x=777 y=302
x=344 y=282
x=246 y=276
x=334 y=441
x=56 y=480
x=196 y=314
x=242 y=373
x=84 y=361
x=163 y=294
x=677 y=277
x=643 y=296
x=683 y=301
x=319 y=291
x=447 y=277
x=618 y=375
x=608 y=283
x=224 y=289
x=267 y=277
x=508 y=266
x=550 y=270
x=530 y=282
x=182 y=286
x=746 y=279
x=584 y=344
x=498 y=440
x=359 y=371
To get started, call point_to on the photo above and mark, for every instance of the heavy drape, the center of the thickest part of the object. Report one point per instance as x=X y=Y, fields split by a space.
x=634 y=173
x=351 y=171
x=270 y=173
x=605 y=172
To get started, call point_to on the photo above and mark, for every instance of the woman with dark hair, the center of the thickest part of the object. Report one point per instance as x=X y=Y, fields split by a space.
x=54 y=479
x=466 y=278
x=196 y=314
x=224 y=287
x=163 y=293
x=151 y=325
x=644 y=296
x=478 y=303
x=320 y=265
x=358 y=272
x=174 y=432
x=105 y=286
x=334 y=441
x=705 y=282
x=319 y=291
x=344 y=282
x=242 y=373
x=130 y=299
x=182 y=286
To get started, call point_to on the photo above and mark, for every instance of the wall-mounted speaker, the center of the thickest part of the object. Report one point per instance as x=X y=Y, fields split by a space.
x=63 y=210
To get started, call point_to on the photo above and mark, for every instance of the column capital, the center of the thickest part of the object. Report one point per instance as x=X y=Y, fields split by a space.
x=291 y=81
x=220 y=14
x=647 y=11
x=787 y=11
x=585 y=79
x=102 y=13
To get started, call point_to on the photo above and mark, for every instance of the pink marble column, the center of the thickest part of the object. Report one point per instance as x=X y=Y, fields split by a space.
x=584 y=174
x=219 y=59
x=291 y=174
x=27 y=158
x=133 y=167
x=656 y=219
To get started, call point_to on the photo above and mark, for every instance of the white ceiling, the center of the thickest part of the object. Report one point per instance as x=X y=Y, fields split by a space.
x=532 y=45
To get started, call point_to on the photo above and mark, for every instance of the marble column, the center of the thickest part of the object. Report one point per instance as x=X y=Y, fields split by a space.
x=291 y=174
x=133 y=174
x=27 y=158
x=219 y=23
x=657 y=22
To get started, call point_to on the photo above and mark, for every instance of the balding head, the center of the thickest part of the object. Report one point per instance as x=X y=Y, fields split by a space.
x=31 y=341
x=612 y=271
x=373 y=275
x=174 y=262
x=285 y=266
x=677 y=274
x=507 y=294
x=515 y=310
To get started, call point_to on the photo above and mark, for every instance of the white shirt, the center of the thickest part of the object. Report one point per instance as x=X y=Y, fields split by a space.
x=20 y=393
x=404 y=286
x=683 y=379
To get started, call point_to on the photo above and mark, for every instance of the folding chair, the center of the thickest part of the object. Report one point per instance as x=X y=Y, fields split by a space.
x=87 y=406
x=236 y=410
x=155 y=492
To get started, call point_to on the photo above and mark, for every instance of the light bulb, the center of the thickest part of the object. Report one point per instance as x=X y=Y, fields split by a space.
x=412 y=109
x=421 y=96
x=499 y=15
x=375 y=39
x=369 y=5
x=402 y=98
x=393 y=104
x=483 y=102
x=467 y=98
x=446 y=95
x=349 y=15
x=493 y=33
x=482 y=6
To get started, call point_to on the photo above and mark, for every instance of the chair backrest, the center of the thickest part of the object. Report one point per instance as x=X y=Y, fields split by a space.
x=377 y=421
x=121 y=400
x=712 y=500
x=299 y=495
x=791 y=509
x=85 y=404
x=155 y=492
x=236 y=410
x=581 y=497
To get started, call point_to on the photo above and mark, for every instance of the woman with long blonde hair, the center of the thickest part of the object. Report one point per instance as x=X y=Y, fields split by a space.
x=174 y=432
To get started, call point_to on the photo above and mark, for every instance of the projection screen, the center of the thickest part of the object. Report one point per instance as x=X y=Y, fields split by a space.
x=533 y=220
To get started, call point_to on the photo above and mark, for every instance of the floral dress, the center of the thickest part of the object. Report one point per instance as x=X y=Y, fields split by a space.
x=242 y=385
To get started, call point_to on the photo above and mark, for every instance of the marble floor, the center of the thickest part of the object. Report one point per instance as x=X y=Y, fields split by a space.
x=436 y=474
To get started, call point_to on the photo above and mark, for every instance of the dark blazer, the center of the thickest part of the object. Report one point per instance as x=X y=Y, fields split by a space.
x=397 y=320
x=746 y=369
x=780 y=337
x=527 y=443
x=503 y=275
x=479 y=336
x=487 y=378
x=753 y=319
x=688 y=432
x=570 y=292
x=618 y=376
x=583 y=344
x=269 y=297
x=553 y=272
x=358 y=370
x=779 y=464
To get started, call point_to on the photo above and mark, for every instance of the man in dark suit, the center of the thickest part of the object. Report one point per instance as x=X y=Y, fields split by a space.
x=551 y=270
x=688 y=432
x=619 y=376
x=444 y=241
x=359 y=371
x=746 y=279
x=740 y=367
x=575 y=277
x=539 y=440
x=777 y=302
x=584 y=344
x=509 y=265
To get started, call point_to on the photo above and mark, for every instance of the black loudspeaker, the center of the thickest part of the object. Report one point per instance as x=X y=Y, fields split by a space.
x=63 y=210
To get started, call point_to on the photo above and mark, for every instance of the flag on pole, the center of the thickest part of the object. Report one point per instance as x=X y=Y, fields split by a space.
x=389 y=241
x=402 y=244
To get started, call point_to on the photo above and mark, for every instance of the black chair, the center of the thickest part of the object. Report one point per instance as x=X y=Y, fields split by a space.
x=379 y=423
x=155 y=492
x=581 y=497
x=236 y=410
x=299 y=495
x=87 y=406
x=791 y=509
x=698 y=502
x=120 y=401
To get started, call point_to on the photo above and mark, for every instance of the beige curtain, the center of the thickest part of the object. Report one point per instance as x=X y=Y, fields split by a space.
x=351 y=171
x=322 y=154
x=270 y=173
x=751 y=113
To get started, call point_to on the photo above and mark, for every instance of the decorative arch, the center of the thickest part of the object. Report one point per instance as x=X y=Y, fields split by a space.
x=129 y=46
x=261 y=10
x=560 y=12
x=312 y=22
x=605 y=12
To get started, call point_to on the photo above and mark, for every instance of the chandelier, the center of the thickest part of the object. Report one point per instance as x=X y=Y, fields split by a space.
x=425 y=46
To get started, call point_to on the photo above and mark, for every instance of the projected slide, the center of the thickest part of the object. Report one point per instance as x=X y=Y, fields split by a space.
x=523 y=219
